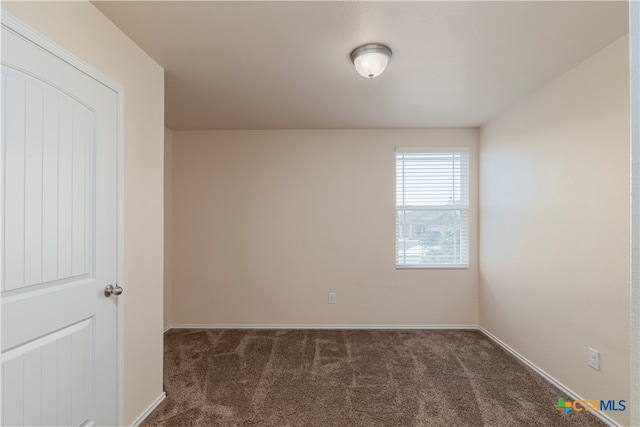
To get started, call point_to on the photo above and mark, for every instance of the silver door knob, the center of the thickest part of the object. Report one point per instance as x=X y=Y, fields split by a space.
x=110 y=290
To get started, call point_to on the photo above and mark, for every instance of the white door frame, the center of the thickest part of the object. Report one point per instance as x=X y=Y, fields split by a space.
x=16 y=25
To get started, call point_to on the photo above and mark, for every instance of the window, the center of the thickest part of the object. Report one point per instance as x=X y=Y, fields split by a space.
x=432 y=207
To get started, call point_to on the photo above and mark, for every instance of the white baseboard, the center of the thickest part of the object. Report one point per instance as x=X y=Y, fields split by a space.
x=166 y=328
x=570 y=393
x=149 y=410
x=313 y=326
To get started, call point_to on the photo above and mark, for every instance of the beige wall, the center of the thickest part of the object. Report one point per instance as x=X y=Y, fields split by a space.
x=168 y=218
x=266 y=223
x=85 y=32
x=554 y=225
x=634 y=32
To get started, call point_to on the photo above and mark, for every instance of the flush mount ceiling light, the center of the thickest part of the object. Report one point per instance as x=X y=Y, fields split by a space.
x=370 y=60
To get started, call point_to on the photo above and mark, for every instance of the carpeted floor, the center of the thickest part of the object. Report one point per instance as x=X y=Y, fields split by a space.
x=351 y=378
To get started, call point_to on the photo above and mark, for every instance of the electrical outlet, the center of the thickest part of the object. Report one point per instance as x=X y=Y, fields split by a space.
x=594 y=359
x=332 y=297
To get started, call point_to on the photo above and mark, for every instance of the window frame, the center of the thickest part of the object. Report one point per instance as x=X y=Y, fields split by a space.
x=463 y=207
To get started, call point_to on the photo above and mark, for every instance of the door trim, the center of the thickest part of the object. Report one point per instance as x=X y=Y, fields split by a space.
x=14 y=24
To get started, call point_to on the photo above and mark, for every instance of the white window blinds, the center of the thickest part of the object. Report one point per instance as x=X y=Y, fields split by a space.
x=432 y=207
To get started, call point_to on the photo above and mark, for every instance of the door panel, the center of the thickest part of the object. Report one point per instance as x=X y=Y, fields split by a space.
x=59 y=163
x=61 y=172
x=61 y=396
x=33 y=185
x=13 y=126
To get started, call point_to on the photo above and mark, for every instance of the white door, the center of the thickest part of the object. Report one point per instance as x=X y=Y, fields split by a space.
x=59 y=240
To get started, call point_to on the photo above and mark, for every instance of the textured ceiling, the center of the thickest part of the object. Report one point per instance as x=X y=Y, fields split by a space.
x=285 y=65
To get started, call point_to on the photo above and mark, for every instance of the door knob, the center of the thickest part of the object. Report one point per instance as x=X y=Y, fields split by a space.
x=110 y=290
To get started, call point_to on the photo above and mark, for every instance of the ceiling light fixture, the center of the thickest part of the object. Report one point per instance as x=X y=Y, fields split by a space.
x=370 y=60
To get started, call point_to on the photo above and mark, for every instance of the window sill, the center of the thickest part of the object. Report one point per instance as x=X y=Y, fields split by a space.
x=432 y=267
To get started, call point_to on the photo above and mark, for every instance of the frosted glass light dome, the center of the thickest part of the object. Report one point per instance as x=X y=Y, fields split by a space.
x=371 y=60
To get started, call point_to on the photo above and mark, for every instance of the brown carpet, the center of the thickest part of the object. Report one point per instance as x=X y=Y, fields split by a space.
x=351 y=378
